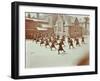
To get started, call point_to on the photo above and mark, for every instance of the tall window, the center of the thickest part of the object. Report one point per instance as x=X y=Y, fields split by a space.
x=59 y=26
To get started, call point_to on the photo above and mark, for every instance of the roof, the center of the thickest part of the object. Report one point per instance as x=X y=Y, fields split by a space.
x=38 y=28
x=37 y=20
x=76 y=22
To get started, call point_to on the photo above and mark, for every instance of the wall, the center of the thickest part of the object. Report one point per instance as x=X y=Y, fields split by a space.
x=5 y=40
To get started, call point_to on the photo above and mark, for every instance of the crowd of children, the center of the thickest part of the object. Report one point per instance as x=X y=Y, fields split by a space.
x=52 y=41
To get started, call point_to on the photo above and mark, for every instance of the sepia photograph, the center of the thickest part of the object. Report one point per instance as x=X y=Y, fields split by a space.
x=54 y=40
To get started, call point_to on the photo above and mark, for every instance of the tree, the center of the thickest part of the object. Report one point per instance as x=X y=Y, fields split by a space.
x=29 y=16
x=86 y=24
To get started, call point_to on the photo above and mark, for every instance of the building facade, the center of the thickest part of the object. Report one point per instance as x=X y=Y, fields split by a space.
x=75 y=30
